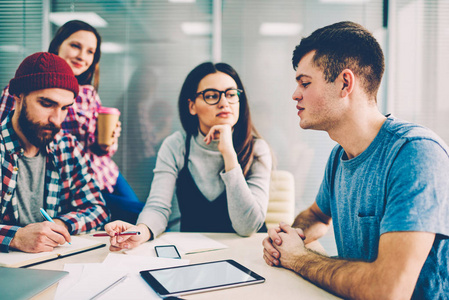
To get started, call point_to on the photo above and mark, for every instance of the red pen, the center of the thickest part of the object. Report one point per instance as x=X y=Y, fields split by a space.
x=117 y=234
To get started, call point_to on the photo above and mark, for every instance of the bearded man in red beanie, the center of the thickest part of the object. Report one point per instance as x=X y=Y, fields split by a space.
x=42 y=168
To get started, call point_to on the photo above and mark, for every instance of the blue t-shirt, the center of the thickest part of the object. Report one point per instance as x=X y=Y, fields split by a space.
x=399 y=183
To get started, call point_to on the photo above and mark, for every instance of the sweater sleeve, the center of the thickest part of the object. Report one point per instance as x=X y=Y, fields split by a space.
x=248 y=198
x=169 y=162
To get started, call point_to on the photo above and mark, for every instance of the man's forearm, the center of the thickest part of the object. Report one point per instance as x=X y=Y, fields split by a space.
x=348 y=279
x=311 y=224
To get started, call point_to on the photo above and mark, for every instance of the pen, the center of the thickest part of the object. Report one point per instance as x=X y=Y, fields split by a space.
x=48 y=218
x=117 y=234
x=109 y=287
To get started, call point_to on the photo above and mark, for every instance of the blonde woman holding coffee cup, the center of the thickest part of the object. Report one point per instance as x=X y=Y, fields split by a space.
x=78 y=44
x=218 y=168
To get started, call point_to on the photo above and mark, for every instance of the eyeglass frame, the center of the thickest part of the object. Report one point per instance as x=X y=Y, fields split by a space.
x=239 y=92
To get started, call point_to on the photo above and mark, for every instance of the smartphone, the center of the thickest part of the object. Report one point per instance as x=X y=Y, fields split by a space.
x=167 y=251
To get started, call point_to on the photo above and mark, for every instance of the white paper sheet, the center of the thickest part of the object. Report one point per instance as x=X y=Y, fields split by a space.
x=76 y=273
x=94 y=278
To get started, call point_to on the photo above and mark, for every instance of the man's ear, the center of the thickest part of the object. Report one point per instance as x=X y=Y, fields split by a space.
x=16 y=98
x=18 y=102
x=347 y=78
x=192 y=108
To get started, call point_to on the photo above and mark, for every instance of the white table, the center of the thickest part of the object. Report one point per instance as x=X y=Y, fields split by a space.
x=280 y=283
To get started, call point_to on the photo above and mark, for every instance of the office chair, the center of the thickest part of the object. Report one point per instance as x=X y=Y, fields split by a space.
x=281 y=203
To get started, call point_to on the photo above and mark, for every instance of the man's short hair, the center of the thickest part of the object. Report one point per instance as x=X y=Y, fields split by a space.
x=345 y=45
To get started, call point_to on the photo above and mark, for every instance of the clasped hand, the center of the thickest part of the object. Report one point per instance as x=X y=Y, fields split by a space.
x=284 y=246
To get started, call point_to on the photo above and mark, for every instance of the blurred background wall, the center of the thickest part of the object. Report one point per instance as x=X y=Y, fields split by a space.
x=149 y=46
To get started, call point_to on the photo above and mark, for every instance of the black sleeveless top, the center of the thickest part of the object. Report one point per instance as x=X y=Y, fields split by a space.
x=198 y=214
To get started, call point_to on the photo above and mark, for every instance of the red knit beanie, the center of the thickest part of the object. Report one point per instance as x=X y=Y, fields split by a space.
x=43 y=70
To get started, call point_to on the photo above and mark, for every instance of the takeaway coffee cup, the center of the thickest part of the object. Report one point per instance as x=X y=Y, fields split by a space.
x=106 y=124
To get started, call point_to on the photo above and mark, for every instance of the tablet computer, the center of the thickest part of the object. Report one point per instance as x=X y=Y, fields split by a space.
x=198 y=278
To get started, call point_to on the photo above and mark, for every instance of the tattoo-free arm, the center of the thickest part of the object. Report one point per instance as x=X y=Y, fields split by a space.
x=393 y=275
x=313 y=222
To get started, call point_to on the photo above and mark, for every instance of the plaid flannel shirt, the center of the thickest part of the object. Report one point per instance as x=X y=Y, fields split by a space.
x=70 y=193
x=81 y=121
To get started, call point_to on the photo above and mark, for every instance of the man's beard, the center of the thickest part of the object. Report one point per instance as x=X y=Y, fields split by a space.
x=34 y=132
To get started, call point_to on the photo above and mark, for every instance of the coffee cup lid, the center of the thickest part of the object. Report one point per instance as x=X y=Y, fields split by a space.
x=108 y=110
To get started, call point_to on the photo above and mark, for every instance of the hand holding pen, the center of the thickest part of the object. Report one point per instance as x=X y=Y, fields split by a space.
x=49 y=219
x=40 y=237
x=125 y=235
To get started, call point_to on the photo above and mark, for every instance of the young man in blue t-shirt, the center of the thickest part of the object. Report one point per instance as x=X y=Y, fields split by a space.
x=385 y=188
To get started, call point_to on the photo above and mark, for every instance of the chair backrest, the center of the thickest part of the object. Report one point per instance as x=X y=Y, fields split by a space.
x=281 y=204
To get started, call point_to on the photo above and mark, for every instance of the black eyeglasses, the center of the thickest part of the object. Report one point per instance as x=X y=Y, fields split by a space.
x=213 y=96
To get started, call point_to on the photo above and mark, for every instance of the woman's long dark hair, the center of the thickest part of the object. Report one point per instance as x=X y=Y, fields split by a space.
x=67 y=30
x=244 y=132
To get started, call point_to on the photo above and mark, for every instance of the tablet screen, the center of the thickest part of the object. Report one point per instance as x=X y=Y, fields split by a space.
x=199 y=277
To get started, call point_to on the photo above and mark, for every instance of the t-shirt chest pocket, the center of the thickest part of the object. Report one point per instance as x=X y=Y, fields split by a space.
x=367 y=221
x=368 y=229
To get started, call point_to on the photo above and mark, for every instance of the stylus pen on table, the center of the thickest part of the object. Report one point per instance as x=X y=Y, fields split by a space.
x=109 y=287
x=48 y=218
x=119 y=234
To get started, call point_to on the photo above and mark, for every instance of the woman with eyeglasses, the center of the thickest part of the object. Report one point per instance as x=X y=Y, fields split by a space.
x=219 y=168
